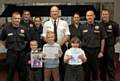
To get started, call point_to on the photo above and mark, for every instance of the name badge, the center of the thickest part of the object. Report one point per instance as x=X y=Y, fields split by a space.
x=85 y=30
x=109 y=30
x=96 y=31
x=10 y=34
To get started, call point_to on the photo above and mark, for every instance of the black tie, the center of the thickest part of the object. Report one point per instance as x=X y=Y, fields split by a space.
x=55 y=30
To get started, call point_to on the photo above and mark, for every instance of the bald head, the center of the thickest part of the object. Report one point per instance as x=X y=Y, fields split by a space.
x=90 y=16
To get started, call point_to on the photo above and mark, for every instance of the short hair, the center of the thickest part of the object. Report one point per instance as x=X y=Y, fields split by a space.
x=106 y=10
x=76 y=13
x=37 y=17
x=75 y=40
x=49 y=32
x=33 y=41
x=26 y=11
x=15 y=13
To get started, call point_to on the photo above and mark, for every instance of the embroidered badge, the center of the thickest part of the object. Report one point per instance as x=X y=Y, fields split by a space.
x=85 y=30
x=97 y=27
x=31 y=25
x=110 y=27
x=9 y=34
x=22 y=31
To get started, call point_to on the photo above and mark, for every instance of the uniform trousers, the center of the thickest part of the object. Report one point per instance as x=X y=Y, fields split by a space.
x=91 y=67
x=16 y=59
x=107 y=66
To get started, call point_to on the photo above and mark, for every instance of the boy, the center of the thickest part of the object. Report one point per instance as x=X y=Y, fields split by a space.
x=52 y=52
x=33 y=60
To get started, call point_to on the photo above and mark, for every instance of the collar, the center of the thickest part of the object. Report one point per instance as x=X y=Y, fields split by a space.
x=93 y=24
x=54 y=20
x=34 y=50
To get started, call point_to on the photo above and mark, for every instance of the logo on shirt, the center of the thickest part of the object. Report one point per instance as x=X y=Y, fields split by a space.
x=109 y=28
x=97 y=29
x=31 y=25
x=22 y=31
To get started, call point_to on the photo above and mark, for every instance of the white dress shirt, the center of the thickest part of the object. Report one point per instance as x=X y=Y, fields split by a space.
x=62 y=28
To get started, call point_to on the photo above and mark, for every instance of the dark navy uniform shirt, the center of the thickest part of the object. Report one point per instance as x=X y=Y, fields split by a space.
x=27 y=25
x=92 y=34
x=15 y=38
x=112 y=30
x=35 y=34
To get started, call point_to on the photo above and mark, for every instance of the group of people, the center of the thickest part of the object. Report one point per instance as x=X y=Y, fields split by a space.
x=85 y=52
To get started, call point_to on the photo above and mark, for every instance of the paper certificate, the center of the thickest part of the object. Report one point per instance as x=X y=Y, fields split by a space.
x=36 y=60
x=51 y=51
x=75 y=55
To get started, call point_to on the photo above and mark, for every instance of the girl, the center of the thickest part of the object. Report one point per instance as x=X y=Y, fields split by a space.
x=74 y=57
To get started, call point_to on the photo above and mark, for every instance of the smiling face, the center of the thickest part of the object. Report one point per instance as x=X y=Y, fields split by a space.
x=76 y=18
x=54 y=12
x=75 y=45
x=33 y=45
x=105 y=15
x=16 y=19
x=26 y=15
x=75 y=42
x=37 y=21
x=50 y=37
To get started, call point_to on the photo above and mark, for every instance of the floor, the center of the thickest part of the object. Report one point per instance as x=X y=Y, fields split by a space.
x=3 y=73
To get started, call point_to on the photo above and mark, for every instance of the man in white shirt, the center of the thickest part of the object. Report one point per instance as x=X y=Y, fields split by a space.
x=62 y=32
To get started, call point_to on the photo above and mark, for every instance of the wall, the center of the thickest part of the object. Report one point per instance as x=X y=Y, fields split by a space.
x=29 y=2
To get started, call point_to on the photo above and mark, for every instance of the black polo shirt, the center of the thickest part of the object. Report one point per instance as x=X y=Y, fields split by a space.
x=92 y=34
x=112 y=30
x=15 y=38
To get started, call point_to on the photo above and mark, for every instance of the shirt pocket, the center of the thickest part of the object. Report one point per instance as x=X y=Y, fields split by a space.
x=97 y=34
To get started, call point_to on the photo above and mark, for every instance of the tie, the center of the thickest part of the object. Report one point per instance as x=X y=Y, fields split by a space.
x=55 y=30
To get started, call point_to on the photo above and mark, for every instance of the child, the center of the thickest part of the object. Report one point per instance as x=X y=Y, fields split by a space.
x=33 y=60
x=52 y=52
x=74 y=57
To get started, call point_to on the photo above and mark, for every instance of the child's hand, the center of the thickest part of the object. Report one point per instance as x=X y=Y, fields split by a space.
x=29 y=62
x=44 y=55
x=58 y=55
x=81 y=56
x=39 y=49
x=69 y=57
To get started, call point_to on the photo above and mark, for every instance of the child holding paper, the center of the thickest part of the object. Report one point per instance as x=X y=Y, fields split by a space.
x=51 y=52
x=34 y=61
x=74 y=58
